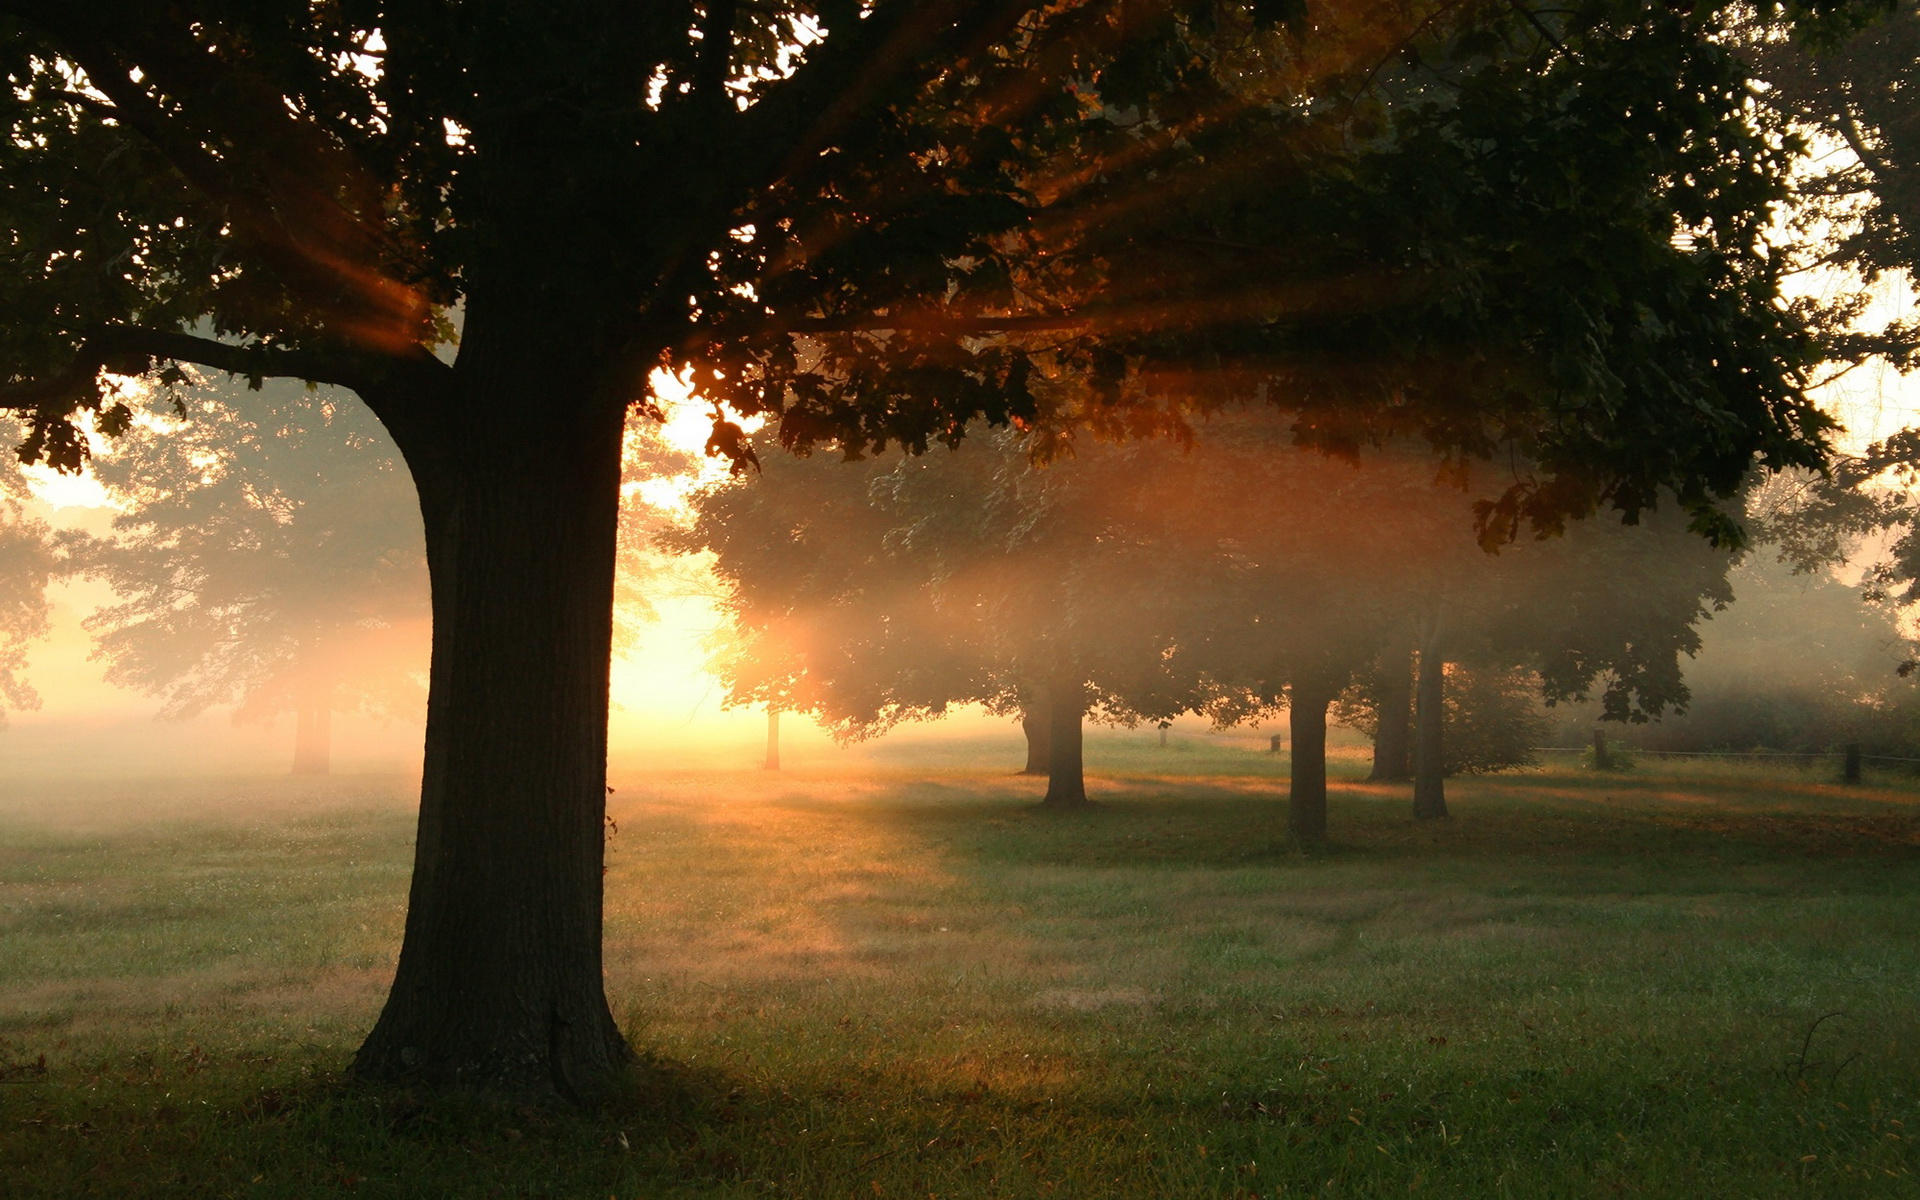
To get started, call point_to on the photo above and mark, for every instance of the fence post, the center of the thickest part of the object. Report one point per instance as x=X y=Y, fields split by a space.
x=1600 y=760
x=1273 y=744
x=1851 y=772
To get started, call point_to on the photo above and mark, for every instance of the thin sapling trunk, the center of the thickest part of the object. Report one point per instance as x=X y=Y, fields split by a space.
x=313 y=739
x=1429 y=718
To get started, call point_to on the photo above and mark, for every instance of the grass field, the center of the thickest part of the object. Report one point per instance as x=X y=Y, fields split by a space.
x=905 y=981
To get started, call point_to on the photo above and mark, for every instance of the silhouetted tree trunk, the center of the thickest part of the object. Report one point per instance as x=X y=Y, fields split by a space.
x=313 y=739
x=1429 y=717
x=1307 y=702
x=499 y=980
x=1036 y=721
x=1066 y=775
x=1393 y=739
x=772 y=761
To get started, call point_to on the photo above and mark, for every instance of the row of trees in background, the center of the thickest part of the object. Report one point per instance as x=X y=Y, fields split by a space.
x=265 y=559
x=1138 y=581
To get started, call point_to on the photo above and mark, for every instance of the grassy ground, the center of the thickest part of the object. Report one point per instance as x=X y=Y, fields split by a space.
x=905 y=981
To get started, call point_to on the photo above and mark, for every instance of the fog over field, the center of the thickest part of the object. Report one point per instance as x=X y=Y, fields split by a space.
x=1792 y=638
x=1788 y=635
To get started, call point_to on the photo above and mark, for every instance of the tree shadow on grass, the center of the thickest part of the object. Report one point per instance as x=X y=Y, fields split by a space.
x=194 y=1124
x=1222 y=821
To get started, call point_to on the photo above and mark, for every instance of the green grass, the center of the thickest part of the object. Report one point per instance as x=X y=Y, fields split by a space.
x=903 y=980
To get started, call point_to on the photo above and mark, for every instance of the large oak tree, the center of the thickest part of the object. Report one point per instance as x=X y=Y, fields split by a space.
x=1499 y=223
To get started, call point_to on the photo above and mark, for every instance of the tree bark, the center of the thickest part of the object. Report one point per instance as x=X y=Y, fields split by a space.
x=1066 y=775
x=499 y=982
x=1429 y=781
x=1393 y=740
x=772 y=761
x=313 y=739
x=1036 y=721
x=1307 y=703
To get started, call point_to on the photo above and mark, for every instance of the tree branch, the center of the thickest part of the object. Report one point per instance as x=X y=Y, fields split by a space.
x=715 y=64
x=1857 y=142
x=862 y=60
x=132 y=350
x=1257 y=304
x=931 y=322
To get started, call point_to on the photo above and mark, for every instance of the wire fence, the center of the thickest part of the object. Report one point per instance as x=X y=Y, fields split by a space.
x=1772 y=755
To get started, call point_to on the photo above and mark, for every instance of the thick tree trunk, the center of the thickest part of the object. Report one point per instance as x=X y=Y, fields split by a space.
x=1066 y=775
x=1036 y=721
x=313 y=739
x=1393 y=741
x=499 y=981
x=772 y=761
x=1307 y=771
x=1429 y=781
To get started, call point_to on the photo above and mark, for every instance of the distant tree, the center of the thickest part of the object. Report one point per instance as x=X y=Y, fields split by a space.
x=1797 y=663
x=1491 y=716
x=1858 y=205
x=871 y=593
x=28 y=564
x=1389 y=694
x=1858 y=215
x=267 y=555
x=809 y=591
x=1493 y=720
x=1607 y=607
x=1070 y=580
x=1306 y=568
